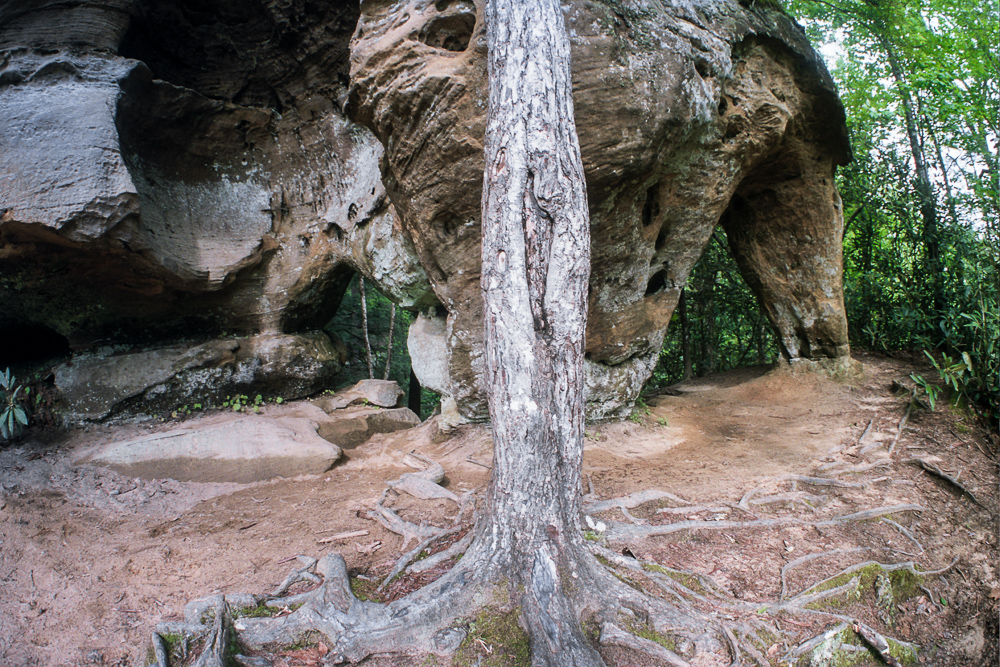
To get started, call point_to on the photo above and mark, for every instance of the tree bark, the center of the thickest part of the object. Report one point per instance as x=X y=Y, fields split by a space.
x=685 y=336
x=364 y=327
x=536 y=268
x=388 y=346
x=922 y=182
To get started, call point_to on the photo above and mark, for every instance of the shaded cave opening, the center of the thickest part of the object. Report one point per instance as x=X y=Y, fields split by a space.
x=719 y=323
x=387 y=336
x=26 y=346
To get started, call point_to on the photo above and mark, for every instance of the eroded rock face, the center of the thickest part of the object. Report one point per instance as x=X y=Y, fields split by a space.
x=172 y=171
x=97 y=386
x=182 y=170
x=688 y=115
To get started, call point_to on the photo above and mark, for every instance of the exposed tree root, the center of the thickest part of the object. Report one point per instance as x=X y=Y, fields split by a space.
x=405 y=529
x=667 y=614
x=612 y=635
x=621 y=531
x=902 y=425
x=937 y=472
x=304 y=573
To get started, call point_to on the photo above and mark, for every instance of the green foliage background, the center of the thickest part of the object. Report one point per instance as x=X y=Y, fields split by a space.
x=919 y=80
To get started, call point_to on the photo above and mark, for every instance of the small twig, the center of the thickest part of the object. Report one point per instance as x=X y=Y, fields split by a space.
x=902 y=425
x=934 y=470
x=341 y=536
x=472 y=460
x=877 y=643
x=988 y=450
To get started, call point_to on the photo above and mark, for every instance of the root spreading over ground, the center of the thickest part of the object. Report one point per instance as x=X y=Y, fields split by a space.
x=703 y=543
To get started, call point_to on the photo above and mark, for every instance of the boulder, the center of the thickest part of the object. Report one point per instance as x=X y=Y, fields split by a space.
x=224 y=448
x=98 y=386
x=689 y=115
x=190 y=175
x=346 y=427
x=383 y=393
x=353 y=427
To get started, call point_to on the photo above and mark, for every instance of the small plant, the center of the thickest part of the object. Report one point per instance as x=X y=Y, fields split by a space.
x=663 y=421
x=12 y=415
x=639 y=413
x=932 y=391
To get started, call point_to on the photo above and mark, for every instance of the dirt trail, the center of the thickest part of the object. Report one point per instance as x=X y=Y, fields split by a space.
x=90 y=561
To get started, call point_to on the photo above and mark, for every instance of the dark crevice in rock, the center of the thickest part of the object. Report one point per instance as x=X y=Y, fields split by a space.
x=262 y=53
x=451 y=32
x=651 y=207
x=26 y=342
x=657 y=283
x=318 y=304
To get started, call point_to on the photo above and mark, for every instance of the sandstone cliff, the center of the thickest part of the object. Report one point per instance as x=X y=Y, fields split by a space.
x=173 y=170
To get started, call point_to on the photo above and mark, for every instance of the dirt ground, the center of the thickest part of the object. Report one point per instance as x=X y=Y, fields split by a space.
x=91 y=561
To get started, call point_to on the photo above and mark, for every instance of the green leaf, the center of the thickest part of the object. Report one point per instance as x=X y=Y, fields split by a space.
x=21 y=416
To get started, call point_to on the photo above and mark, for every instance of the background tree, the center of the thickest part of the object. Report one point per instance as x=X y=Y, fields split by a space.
x=922 y=252
x=922 y=240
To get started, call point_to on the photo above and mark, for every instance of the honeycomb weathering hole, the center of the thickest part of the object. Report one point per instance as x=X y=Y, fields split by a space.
x=452 y=32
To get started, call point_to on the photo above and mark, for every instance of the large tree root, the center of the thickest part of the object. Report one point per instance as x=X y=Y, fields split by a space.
x=433 y=619
x=572 y=598
x=666 y=614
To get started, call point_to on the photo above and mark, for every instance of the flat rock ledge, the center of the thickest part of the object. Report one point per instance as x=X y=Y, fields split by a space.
x=224 y=448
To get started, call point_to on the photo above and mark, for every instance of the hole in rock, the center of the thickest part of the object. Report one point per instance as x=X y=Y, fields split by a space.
x=657 y=283
x=651 y=208
x=450 y=32
x=388 y=336
x=29 y=343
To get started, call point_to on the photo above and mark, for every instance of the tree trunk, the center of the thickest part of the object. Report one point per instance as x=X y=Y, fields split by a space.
x=364 y=327
x=922 y=182
x=388 y=346
x=536 y=268
x=685 y=336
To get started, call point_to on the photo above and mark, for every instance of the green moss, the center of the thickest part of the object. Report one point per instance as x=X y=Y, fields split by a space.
x=308 y=640
x=647 y=631
x=494 y=638
x=890 y=587
x=686 y=580
x=364 y=589
x=834 y=653
x=262 y=611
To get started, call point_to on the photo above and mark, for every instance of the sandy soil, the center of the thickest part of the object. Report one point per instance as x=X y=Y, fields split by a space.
x=91 y=561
